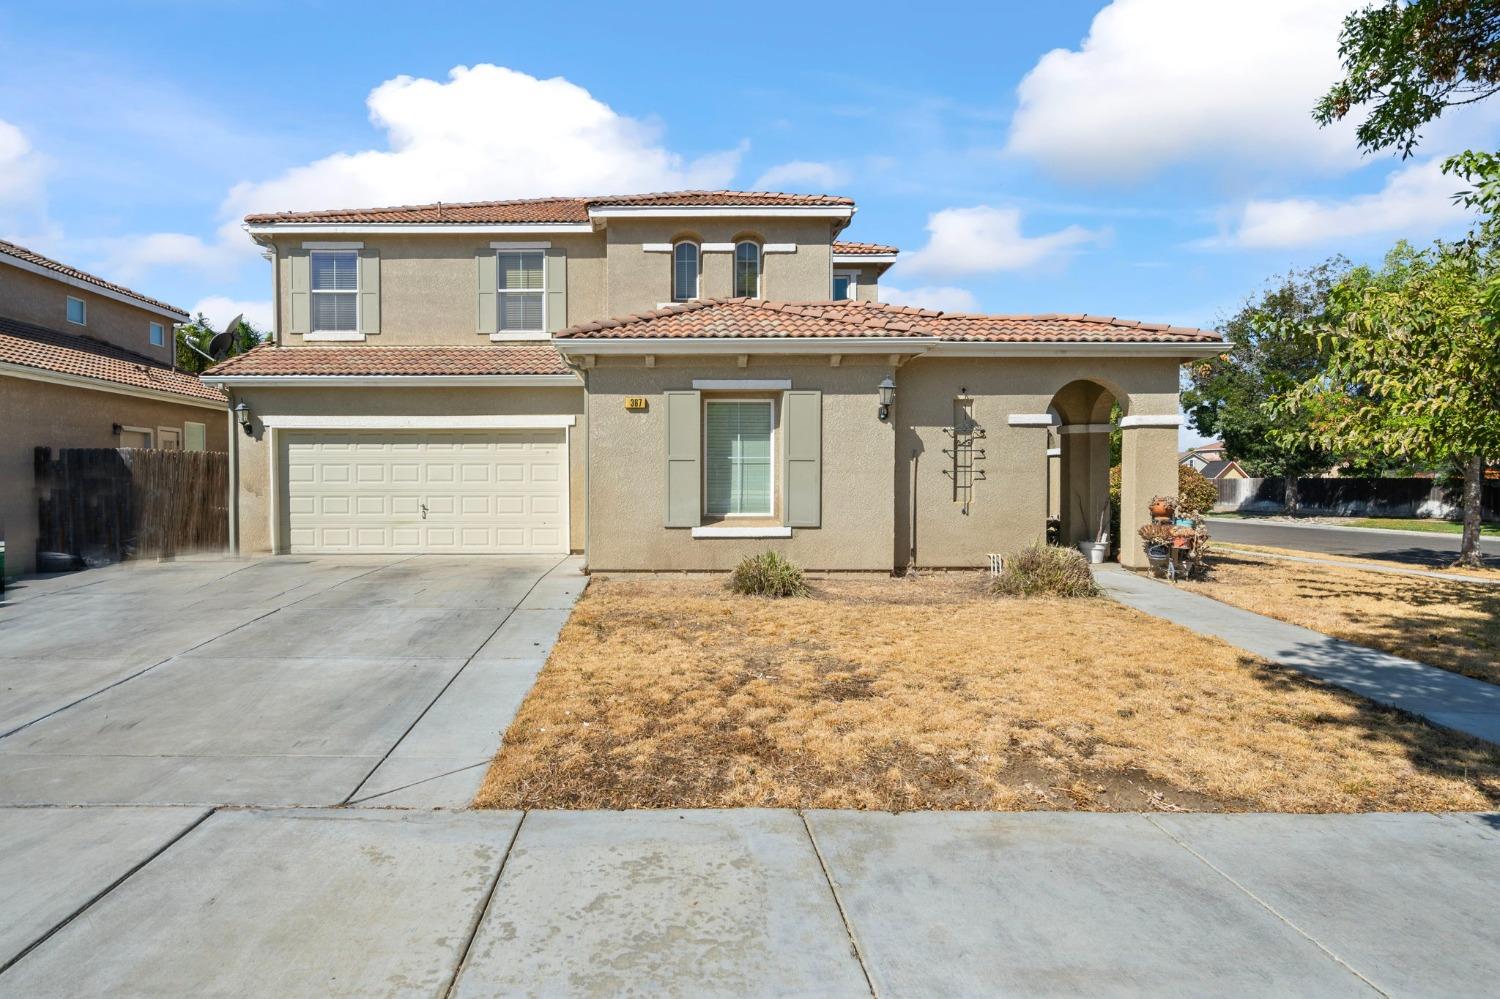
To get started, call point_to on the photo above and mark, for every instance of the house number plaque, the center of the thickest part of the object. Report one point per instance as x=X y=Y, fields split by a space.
x=635 y=403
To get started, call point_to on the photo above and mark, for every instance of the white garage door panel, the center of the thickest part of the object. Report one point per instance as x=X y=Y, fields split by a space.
x=423 y=490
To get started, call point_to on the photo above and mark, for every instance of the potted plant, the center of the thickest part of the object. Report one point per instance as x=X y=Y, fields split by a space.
x=1156 y=538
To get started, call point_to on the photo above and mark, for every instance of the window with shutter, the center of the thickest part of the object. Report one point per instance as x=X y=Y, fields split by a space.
x=335 y=291
x=737 y=458
x=523 y=291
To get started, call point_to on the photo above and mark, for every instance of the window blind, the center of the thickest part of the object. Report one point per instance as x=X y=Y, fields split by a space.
x=737 y=451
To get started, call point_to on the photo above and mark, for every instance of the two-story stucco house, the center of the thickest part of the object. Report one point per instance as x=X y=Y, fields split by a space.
x=670 y=381
x=85 y=363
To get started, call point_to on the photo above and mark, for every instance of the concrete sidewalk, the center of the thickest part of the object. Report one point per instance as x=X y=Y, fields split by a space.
x=361 y=902
x=1444 y=698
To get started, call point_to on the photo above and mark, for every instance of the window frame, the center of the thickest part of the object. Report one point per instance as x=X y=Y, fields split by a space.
x=760 y=268
x=150 y=435
x=770 y=460
x=313 y=292
x=501 y=292
x=152 y=332
x=697 y=271
x=83 y=310
x=852 y=277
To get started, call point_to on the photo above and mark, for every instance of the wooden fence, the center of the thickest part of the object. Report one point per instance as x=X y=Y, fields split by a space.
x=1351 y=497
x=108 y=504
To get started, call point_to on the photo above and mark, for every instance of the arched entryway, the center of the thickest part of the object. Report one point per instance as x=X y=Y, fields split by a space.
x=1085 y=414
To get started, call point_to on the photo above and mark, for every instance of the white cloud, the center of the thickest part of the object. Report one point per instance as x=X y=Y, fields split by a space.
x=801 y=177
x=1416 y=201
x=1164 y=81
x=984 y=239
x=219 y=310
x=20 y=166
x=130 y=257
x=488 y=132
x=941 y=297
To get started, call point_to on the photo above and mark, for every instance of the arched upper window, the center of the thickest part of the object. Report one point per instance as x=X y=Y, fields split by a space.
x=747 y=269
x=684 y=272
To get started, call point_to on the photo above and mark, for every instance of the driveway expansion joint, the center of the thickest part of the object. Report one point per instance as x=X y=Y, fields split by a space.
x=838 y=902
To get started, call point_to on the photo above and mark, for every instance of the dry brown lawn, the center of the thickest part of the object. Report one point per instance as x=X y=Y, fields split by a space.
x=1447 y=623
x=931 y=694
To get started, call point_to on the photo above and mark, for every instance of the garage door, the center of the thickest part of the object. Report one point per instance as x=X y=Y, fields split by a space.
x=426 y=491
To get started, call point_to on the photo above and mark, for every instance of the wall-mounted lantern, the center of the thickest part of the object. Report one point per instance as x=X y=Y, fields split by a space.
x=242 y=413
x=887 y=396
x=116 y=429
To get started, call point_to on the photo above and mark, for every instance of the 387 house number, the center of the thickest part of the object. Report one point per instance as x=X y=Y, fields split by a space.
x=635 y=403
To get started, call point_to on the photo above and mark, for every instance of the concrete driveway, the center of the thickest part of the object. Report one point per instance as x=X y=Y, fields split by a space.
x=284 y=681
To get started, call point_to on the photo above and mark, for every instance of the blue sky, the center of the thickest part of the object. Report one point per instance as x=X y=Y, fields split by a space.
x=1152 y=159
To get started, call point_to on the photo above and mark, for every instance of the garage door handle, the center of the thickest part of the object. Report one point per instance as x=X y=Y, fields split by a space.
x=424 y=511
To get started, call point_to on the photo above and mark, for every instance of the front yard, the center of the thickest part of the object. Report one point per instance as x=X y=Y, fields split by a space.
x=931 y=694
x=1443 y=622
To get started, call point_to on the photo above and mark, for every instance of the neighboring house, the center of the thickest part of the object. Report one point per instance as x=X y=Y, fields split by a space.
x=1223 y=468
x=1212 y=461
x=666 y=381
x=85 y=363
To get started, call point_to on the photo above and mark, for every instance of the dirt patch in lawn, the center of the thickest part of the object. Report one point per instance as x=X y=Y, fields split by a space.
x=931 y=694
x=1446 y=623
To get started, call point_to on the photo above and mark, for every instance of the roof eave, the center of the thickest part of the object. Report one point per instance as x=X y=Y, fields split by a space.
x=1075 y=348
x=583 y=346
x=161 y=309
x=388 y=381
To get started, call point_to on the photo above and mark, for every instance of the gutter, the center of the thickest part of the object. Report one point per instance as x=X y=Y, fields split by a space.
x=390 y=381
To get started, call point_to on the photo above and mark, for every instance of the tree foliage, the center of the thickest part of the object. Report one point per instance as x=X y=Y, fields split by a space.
x=199 y=333
x=1412 y=365
x=1409 y=60
x=1227 y=396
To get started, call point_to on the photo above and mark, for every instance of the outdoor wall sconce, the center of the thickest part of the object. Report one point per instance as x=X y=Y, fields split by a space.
x=116 y=429
x=242 y=413
x=887 y=396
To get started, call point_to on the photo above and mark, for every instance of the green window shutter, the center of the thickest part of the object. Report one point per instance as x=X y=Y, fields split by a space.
x=557 y=289
x=684 y=450
x=737 y=449
x=802 y=430
x=300 y=291
x=486 y=274
x=369 y=291
x=194 y=436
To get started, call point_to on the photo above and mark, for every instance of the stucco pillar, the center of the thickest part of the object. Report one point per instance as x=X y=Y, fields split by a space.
x=1148 y=467
x=1085 y=480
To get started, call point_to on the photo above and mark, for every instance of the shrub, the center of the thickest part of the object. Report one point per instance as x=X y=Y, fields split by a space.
x=1195 y=494
x=1045 y=571
x=767 y=575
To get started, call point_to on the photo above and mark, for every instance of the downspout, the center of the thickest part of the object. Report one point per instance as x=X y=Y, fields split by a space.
x=234 y=477
x=588 y=498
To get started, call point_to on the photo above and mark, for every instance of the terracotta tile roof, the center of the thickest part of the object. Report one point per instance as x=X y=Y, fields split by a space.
x=32 y=257
x=862 y=249
x=548 y=210
x=740 y=317
x=747 y=317
x=528 y=359
x=70 y=354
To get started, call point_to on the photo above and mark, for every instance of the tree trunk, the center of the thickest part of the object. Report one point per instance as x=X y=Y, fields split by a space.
x=1292 y=499
x=1473 y=498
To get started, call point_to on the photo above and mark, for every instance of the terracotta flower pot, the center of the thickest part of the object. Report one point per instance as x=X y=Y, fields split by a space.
x=1161 y=509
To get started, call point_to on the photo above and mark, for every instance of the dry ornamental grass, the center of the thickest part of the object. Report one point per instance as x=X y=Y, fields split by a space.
x=1448 y=623
x=931 y=694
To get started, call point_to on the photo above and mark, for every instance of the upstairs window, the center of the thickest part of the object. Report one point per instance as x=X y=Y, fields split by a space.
x=747 y=270
x=523 y=291
x=158 y=335
x=684 y=272
x=737 y=458
x=78 y=311
x=335 y=291
x=844 y=285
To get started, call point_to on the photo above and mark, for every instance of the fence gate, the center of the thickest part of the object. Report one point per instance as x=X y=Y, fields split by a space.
x=109 y=504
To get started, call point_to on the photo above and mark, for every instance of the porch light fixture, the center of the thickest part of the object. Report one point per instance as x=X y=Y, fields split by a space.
x=887 y=396
x=242 y=413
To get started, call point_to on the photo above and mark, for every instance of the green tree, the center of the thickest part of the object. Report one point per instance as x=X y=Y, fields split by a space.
x=1407 y=61
x=1228 y=397
x=1412 y=366
x=199 y=333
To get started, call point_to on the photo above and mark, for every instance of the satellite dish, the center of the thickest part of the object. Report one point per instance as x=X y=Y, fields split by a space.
x=219 y=346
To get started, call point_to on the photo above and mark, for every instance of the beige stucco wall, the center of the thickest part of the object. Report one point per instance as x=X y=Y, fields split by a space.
x=627 y=474
x=40 y=414
x=428 y=287
x=640 y=280
x=866 y=280
x=1009 y=508
x=255 y=455
x=32 y=298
